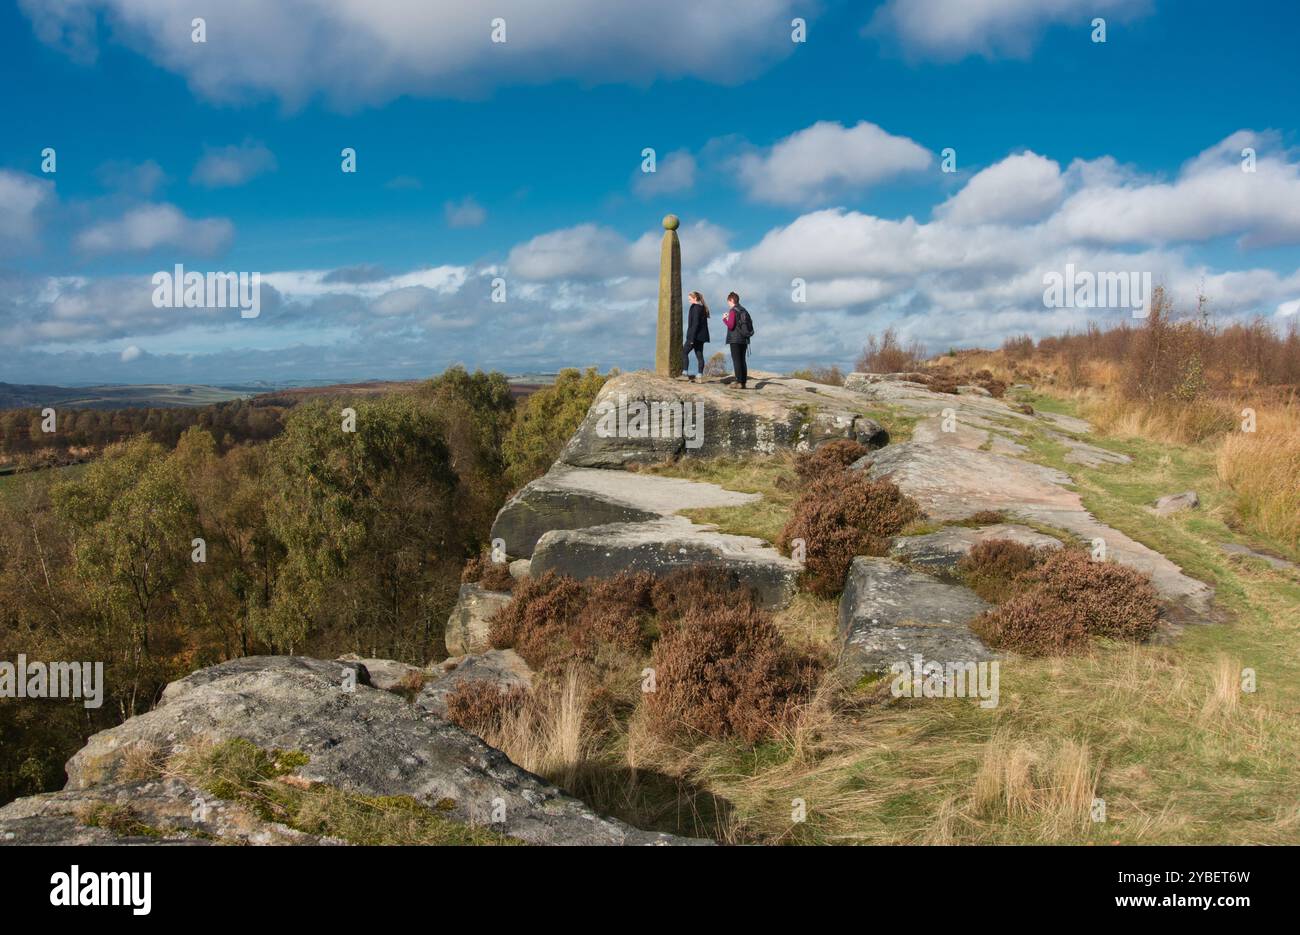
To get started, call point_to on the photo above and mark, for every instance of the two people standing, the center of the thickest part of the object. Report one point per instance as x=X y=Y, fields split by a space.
x=740 y=328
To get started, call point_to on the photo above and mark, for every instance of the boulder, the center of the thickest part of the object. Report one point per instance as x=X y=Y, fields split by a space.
x=471 y=618
x=573 y=498
x=642 y=417
x=942 y=550
x=503 y=668
x=890 y=613
x=368 y=741
x=1173 y=503
x=664 y=545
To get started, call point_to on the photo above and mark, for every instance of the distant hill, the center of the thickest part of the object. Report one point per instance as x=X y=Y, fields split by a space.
x=143 y=396
x=170 y=395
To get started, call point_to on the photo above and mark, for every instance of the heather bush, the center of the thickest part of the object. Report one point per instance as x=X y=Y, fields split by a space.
x=991 y=568
x=554 y=620
x=840 y=515
x=481 y=707
x=723 y=672
x=831 y=456
x=984 y=518
x=1068 y=599
x=888 y=354
x=494 y=576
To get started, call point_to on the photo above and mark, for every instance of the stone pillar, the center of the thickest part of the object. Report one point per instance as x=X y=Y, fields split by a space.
x=668 y=337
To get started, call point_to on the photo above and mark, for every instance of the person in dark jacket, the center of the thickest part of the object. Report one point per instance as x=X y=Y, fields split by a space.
x=739 y=329
x=697 y=334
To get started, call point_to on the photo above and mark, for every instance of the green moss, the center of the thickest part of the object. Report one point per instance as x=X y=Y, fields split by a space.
x=121 y=820
x=239 y=771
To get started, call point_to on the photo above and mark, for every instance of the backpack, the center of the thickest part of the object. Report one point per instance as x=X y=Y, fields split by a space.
x=746 y=325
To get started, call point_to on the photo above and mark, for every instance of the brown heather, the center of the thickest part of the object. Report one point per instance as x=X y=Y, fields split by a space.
x=829 y=457
x=992 y=568
x=1068 y=599
x=482 y=707
x=840 y=515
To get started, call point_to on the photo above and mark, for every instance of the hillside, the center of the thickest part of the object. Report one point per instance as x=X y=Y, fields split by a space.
x=551 y=672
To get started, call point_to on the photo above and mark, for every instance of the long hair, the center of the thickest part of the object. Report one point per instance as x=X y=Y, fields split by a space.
x=699 y=300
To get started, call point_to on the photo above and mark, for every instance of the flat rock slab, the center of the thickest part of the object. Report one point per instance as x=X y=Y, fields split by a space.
x=1080 y=452
x=471 y=619
x=942 y=550
x=572 y=498
x=890 y=613
x=664 y=545
x=951 y=483
x=503 y=668
x=1277 y=562
x=364 y=740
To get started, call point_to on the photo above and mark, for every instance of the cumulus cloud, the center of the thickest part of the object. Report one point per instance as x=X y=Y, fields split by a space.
x=953 y=29
x=150 y=227
x=826 y=159
x=586 y=294
x=464 y=213
x=674 y=173
x=1020 y=188
x=231 y=166
x=362 y=52
x=130 y=353
x=22 y=197
x=1213 y=196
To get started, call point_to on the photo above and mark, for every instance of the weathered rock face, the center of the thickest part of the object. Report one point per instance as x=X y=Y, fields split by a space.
x=500 y=667
x=942 y=550
x=890 y=613
x=165 y=806
x=645 y=418
x=574 y=498
x=365 y=740
x=664 y=545
x=471 y=619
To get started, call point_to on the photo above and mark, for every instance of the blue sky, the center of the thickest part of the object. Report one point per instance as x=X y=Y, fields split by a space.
x=521 y=160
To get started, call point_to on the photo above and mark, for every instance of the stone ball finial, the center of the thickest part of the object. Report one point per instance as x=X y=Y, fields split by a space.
x=671 y=222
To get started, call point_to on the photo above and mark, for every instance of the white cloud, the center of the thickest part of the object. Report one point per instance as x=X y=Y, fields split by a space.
x=1211 y=197
x=464 y=213
x=230 y=166
x=22 y=197
x=952 y=29
x=674 y=173
x=361 y=52
x=587 y=293
x=152 y=226
x=827 y=158
x=130 y=353
x=1020 y=188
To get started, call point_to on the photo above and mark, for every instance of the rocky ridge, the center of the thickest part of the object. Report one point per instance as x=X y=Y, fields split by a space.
x=592 y=516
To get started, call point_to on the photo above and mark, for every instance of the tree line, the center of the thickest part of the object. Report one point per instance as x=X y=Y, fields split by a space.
x=160 y=559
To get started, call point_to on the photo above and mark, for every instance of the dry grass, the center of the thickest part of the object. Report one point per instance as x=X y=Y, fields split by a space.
x=1262 y=468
